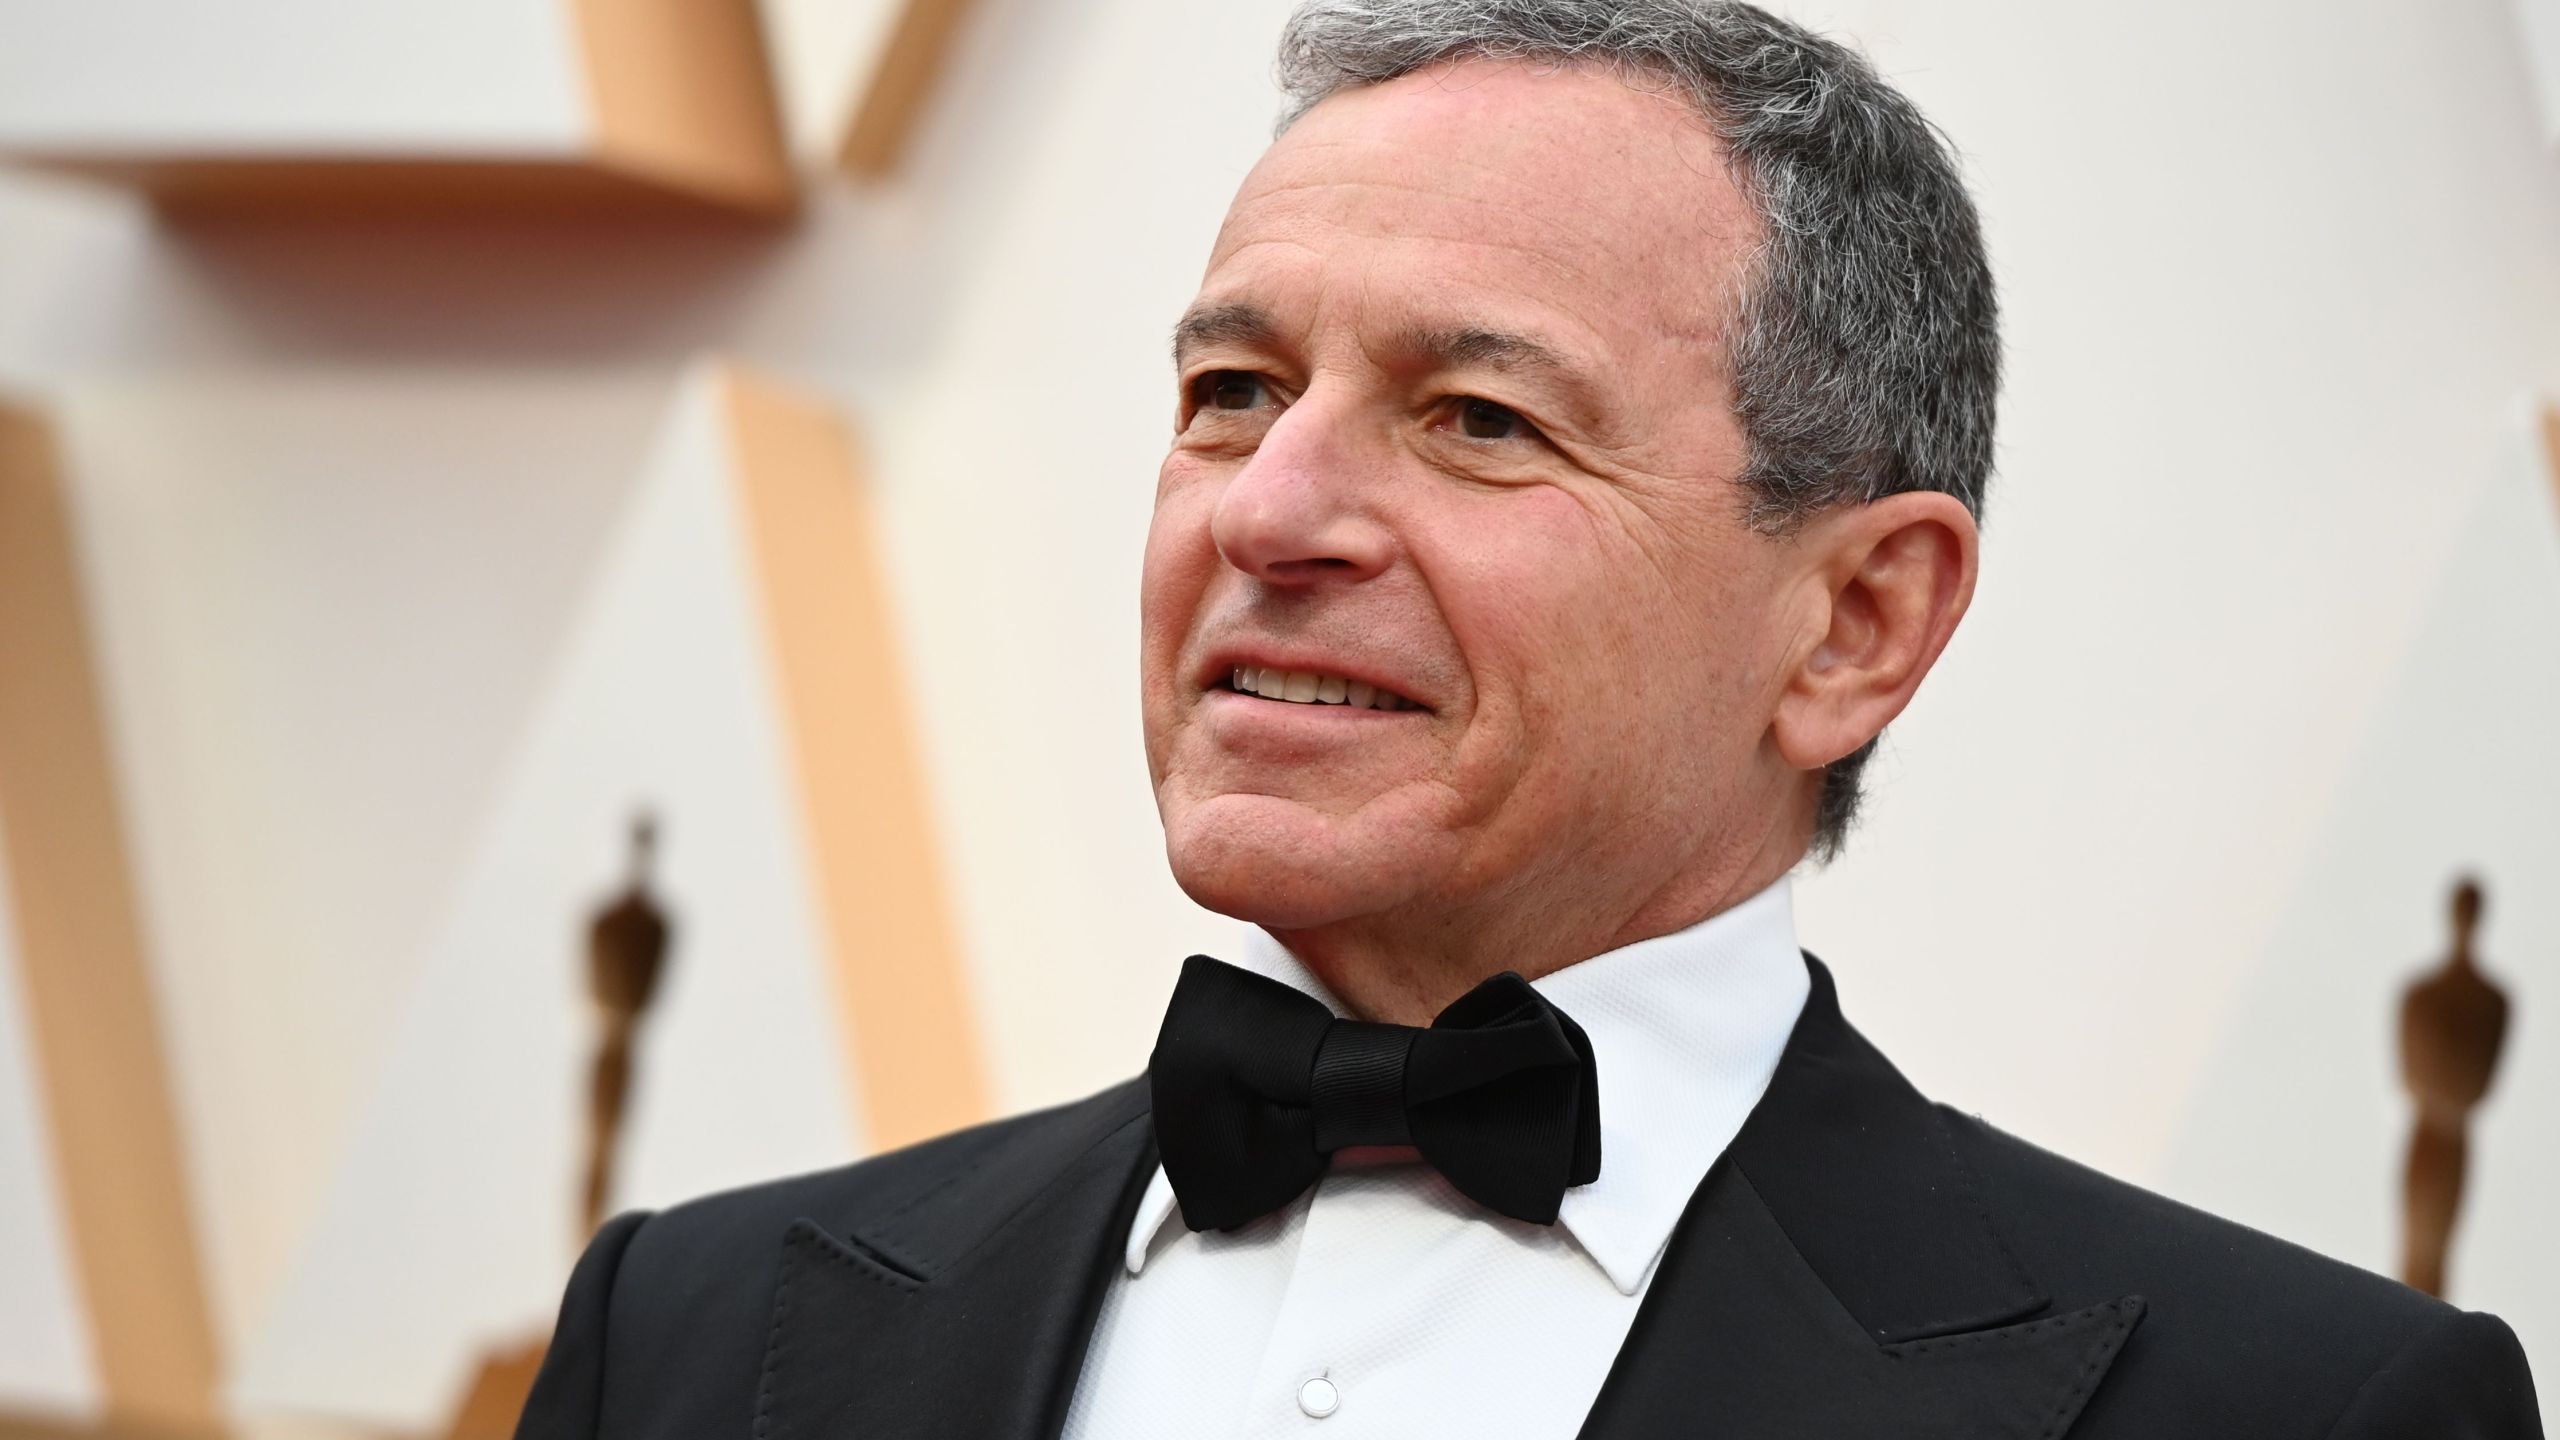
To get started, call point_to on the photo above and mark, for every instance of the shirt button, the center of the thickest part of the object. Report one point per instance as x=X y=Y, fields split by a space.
x=1318 y=1398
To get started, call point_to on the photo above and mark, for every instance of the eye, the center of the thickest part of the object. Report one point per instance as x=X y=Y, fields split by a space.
x=1229 y=390
x=1485 y=420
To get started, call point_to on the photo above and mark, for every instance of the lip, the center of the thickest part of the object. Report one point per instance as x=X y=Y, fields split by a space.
x=1261 y=713
x=1212 y=677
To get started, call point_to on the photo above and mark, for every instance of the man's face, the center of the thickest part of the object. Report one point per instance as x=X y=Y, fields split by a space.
x=1453 y=435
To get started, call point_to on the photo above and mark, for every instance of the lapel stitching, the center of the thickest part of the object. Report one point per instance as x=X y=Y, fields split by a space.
x=2099 y=1353
x=2095 y=1356
x=804 y=1238
x=862 y=1259
x=2030 y=1296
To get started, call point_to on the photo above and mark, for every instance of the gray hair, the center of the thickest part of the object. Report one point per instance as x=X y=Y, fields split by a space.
x=1865 y=352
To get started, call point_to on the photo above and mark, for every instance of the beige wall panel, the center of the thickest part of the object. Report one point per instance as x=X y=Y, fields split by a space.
x=824 y=52
x=80 y=948
x=2540 y=22
x=385 y=77
x=2300 y=1121
x=906 y=1012
x=325 y=603
x=615 y=107
x=470 y=1125
x=2212 y=533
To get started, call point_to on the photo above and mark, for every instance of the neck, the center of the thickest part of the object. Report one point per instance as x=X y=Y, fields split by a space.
x=1406 y=969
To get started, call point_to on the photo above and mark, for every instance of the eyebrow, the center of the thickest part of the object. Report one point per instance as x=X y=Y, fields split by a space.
x=1230 y=324
x=1463 y=346
x=1449 y=347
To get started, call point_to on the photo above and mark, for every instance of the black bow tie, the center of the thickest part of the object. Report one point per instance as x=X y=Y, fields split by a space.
x=1256 y=1085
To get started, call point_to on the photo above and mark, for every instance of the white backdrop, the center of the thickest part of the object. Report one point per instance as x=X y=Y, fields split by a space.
x=2264 y=649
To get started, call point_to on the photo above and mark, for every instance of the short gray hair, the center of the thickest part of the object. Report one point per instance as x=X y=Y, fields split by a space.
x=1865 y=353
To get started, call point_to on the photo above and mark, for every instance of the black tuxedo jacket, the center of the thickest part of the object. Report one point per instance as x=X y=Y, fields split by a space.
x=1859 y=1263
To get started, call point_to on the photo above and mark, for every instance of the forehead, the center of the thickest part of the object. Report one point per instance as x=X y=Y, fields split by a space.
x=1494 y=187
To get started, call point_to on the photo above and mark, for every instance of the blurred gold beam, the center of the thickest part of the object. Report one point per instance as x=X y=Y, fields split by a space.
x=115 y=1142
x=903 y=82
x=904 y=1007
x=2551 y=447
x=28 y=1427
x=682 y=94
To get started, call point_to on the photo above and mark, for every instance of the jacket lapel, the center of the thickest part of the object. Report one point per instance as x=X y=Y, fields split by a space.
x=964 y=1309
x=1838 y=1274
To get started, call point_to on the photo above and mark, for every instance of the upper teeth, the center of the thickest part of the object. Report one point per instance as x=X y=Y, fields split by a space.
x=1308 y=688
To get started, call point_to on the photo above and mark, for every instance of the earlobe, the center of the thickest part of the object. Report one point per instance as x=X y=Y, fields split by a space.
x=1897 y=575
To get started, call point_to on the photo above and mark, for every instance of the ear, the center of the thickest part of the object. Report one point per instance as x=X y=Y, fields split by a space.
x=1889 y=580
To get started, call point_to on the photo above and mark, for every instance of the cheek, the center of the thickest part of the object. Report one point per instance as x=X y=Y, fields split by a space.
x=1180 y=558
x=1545 y=612
x=1599 y=662
x=1554 y=605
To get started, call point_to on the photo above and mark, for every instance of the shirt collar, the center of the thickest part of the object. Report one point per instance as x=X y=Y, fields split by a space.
x=1685 y=1028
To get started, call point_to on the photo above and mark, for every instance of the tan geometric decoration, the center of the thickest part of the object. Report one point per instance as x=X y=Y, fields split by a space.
x=560 y=106
x=891 y=104
x=904 y=1008
x=117 y=1156
x=498 y=1391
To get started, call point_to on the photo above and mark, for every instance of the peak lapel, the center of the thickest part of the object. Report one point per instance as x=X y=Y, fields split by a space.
x=1739 y=1339
x=964 y=1310
x=1838 y=1274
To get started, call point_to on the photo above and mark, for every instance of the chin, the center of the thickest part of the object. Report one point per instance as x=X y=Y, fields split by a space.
x=1278 y=864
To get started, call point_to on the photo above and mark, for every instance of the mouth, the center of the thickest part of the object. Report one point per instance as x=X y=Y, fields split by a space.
x=1307 y=687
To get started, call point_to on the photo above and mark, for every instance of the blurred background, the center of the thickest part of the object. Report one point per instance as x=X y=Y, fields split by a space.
x=567 y=598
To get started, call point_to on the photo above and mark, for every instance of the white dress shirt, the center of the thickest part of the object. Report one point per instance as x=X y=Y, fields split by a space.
x=1382 y=1303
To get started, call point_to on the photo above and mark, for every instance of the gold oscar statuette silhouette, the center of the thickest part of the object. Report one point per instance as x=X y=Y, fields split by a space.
x=626 y=955
x=2452 y=1024
x=627 y=945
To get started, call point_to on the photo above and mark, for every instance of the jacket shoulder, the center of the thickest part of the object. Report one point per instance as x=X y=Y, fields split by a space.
x=2238 y=1325
x=2089 y=1229
x=680 y=1316
x=844 y=1199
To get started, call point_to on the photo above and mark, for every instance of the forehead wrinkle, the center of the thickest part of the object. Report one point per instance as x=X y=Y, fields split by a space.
x=1303 y=204
x=1700 y=183
x=1563 y=254
x=1455 y=335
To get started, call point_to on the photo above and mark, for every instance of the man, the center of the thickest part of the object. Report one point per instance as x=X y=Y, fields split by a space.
x=1578 y=442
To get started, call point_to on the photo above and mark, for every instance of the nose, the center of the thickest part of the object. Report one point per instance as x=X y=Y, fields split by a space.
x=1301 y=510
